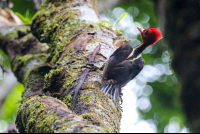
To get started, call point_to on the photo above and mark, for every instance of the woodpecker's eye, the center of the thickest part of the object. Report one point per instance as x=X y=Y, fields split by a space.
x=146 y=31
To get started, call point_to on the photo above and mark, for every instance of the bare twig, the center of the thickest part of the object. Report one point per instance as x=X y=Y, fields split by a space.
x=78 y=86
x=91 y=59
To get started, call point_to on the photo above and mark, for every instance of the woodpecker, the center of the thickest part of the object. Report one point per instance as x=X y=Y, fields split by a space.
x=126 y=63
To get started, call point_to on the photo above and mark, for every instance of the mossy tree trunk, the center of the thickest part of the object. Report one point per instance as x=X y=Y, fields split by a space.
x=181 y=22
x=64 y=52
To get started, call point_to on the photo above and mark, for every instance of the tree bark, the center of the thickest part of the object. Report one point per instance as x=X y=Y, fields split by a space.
x=181 y=22
x=70 y=58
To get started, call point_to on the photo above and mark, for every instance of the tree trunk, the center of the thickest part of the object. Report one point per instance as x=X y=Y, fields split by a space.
x=62 y=74
x=181 y=22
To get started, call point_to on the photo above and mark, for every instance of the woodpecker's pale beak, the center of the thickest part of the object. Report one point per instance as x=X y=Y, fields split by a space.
x=140 y=29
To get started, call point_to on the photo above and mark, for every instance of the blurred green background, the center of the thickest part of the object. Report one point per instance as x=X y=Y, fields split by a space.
x=156 y=90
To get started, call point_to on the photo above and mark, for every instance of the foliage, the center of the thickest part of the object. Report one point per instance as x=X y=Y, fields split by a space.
x=4 y=59
x=26 y=18
x=22 y=6
x=11 y=104
x=122 y=16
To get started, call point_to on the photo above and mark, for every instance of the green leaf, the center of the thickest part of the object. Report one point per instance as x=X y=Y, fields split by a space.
x=105 y=22
x=122 y=16
x=8 y=110
x=25 y=19
x=27 y=14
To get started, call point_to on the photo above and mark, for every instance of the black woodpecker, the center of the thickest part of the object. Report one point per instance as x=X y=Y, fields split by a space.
x=126 y=63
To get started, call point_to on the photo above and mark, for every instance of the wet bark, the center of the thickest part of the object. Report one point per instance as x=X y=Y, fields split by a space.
x=63 y=52
x=181 y=22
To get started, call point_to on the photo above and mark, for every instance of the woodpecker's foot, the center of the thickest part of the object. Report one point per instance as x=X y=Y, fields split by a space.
x=111 y=82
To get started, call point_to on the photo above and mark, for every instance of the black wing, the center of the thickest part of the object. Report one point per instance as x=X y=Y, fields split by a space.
x=118 y=56
x=126 y=71
x=109 y=85
x=111 y=63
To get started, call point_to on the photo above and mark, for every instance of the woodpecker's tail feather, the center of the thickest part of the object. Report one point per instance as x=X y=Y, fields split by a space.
x=113 y=89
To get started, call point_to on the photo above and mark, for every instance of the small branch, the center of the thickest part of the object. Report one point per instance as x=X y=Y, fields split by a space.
x=78 y=86
x=96 y=51
x=91 y=59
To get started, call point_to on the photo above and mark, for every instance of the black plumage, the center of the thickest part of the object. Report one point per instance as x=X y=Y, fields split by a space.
x=120 y=69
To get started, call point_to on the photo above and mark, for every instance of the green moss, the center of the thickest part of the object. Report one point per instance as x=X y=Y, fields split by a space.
x=73 y=69
x=19 y=64
x=68 y=101
x=58 y=30
x=12 y=32
x=66 y=36
x=117 y=31
x=103 y=130
x=101 y=105
x=69 y=74
x=63 y=128
x=87 y=130
x=87 y=116
x=53 y=80
x=35 y=74
x=22 y=60
x=87 y=97
x=69 y=53
x=40 y=119
x=26 y=37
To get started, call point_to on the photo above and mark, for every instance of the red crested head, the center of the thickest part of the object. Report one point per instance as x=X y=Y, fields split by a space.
x=150 y=35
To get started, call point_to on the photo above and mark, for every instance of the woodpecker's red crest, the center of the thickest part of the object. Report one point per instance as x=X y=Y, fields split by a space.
x=150 y=35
